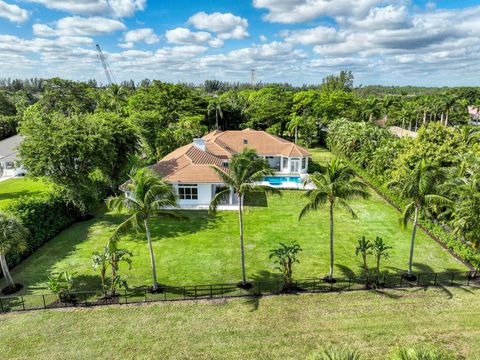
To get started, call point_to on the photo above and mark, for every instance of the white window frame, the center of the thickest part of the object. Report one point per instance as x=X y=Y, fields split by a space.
x=185 y=191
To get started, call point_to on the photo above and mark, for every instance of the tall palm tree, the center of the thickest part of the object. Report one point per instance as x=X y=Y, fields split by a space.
x=449 y=103
x=336 y=185
x=146 y=196
x=420 y=187
x=244 y=171
x=216 y=105
x=116 y=97
x=296 y=121
x=12 y=238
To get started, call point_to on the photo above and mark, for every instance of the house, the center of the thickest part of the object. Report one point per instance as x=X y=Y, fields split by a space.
x=474 y=113
x=9 y=159
x=189 y=168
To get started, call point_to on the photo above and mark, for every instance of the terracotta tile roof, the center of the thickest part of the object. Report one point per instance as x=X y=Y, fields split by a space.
x=264 y=143
x=189 y=164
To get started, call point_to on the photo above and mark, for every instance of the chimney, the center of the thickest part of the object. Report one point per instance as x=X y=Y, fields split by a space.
x=199 y=143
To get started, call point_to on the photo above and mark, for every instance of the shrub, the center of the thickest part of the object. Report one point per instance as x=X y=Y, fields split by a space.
x=44 y=217
x=8 y=126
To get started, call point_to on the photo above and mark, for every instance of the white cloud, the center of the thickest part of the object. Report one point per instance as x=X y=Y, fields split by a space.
x=387 y=17
x=13 y=13
x=263 y=38
x=145 y=35
x=185 y=36
x=115 y=8
x=297 y=11
x=79 y=26
x=314 y=36
x=226 y=25
x=127 y=45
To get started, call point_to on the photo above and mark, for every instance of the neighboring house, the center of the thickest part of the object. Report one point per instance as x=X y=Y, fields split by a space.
x=474 y=113
x=189 y=168
x=9 y=159
x=401 y=132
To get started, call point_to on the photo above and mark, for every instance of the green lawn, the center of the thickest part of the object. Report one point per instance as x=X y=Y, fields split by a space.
x=205 y=249
x=287 y=327
x=14 y=188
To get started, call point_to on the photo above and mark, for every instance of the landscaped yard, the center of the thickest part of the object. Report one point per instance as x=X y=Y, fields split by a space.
x=205 y=249
x=290 y=327
x=14 y=188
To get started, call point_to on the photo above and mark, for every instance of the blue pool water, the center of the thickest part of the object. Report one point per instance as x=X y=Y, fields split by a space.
x=279 y=180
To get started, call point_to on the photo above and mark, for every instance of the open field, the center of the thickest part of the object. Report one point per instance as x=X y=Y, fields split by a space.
x=291 y=327
x=205 y=249
x=14 y=188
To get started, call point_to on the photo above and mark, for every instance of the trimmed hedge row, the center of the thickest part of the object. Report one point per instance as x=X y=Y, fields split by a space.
x=462 y=250
x=45 y=217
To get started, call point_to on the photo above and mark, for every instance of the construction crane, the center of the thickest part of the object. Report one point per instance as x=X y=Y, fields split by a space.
x=106 y=68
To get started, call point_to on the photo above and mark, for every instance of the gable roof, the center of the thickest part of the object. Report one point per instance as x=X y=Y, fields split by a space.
x=190 y=164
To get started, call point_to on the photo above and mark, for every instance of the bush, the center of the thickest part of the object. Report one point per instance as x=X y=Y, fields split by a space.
x=44 y=217
x=8 y=126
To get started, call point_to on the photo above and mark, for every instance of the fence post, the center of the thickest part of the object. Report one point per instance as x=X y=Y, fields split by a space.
x=418 y=280
x=1 y=305
x=195 y=291
x=221 y=291
x=126 y=300
x=146 y=300
x=23 y=303
x=85 y=297
x=184 y=293
x=44 y=302
x=401 y=280
x=211 y=291
x=451 y=281
x=349 y=283
x=468 y=278
x=435 y=281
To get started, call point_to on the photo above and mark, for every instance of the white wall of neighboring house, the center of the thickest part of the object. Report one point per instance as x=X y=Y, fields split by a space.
x=204 y=194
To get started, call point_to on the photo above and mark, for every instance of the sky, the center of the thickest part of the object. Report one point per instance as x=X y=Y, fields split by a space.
x=384 y=42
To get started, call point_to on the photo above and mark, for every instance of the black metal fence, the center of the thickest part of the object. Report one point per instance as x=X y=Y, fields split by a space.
x=220 y=291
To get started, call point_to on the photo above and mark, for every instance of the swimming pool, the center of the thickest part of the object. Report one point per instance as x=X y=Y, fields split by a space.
x=279 y=180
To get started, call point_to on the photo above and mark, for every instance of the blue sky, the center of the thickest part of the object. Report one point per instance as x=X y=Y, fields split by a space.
x=390 y=42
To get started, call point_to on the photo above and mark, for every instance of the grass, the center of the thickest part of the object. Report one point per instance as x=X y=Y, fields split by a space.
x=14 y=188
x=205 y=249
x=290 y=327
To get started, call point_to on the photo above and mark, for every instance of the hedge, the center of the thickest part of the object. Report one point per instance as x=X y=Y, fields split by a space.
x=44 y=217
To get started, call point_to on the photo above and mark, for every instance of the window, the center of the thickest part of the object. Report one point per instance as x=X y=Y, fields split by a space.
x=245 y=141
x=285 y=162
x=188 y=192
x=304 y=163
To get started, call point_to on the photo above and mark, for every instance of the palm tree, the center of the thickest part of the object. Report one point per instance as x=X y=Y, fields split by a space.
x=216 y=105
x=449 y=103
x=335 y=186
x=296 y=121
x=245 y=170
x=12 y=238
x=116 y=97
x=146 y=196
x=419 y=186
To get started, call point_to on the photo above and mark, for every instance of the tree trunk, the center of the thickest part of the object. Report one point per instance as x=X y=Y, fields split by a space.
x=152 y=257
x=370 y=117
x=330 y=274
x=378 y=263
x=6 y=272
x=446 y=118
x=240 y=223
x=216 y=119
x=424 y=117
x=441 y=118
x=412 y=245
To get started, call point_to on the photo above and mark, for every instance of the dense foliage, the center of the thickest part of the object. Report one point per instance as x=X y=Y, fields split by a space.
x=455 y=151
x=44 y=217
